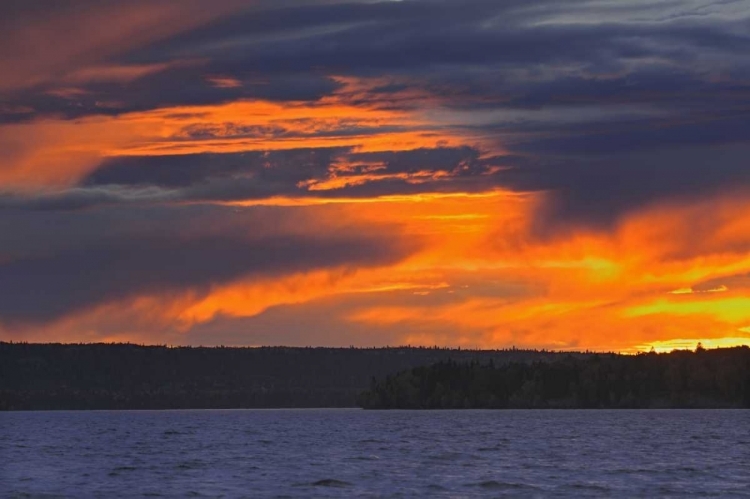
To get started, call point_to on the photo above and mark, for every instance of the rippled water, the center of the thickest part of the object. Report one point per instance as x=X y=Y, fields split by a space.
x=350 y=453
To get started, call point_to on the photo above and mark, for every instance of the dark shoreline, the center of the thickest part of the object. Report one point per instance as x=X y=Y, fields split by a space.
x=126 y=376
x=115 y=377
x=704 y=379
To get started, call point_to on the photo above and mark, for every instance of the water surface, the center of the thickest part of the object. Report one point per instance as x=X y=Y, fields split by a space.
x=354 y=453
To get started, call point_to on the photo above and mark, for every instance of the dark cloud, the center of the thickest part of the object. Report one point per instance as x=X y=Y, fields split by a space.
x=44 y=288
x=196 y=85
x=598 y=192
x=257 y=175
x=509 y=53
x=439 y=159
x=65 y=200
x=611 y=139
x=363 y=38
x=168 y=254
x=275 y=168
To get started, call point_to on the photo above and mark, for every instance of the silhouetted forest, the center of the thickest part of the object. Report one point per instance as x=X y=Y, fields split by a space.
x=704 y=378
x=123 y=376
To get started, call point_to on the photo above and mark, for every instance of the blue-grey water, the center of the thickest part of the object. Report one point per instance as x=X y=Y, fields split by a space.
x=354 y=453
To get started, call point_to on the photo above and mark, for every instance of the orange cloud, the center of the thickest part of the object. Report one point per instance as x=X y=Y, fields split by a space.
x=597 y=290
x=224 y=82
x=52 y=152
x=481 y=279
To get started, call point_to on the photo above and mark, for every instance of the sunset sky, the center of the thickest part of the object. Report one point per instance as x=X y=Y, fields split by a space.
x=478 y=173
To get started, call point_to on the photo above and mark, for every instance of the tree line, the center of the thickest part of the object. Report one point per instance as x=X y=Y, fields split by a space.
x=126 y=376
x=681 y=379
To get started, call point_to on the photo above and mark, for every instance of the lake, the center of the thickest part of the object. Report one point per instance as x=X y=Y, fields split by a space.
x=355 y=453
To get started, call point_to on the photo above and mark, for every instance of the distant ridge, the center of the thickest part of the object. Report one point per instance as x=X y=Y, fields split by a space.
x=127 y=376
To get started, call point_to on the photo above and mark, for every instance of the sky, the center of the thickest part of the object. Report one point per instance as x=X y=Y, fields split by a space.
x=561 y=175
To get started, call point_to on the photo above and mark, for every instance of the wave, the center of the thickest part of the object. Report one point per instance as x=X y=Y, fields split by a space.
x=330 y=482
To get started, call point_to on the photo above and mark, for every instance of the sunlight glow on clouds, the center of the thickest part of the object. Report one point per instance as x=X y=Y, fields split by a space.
x=558 y=175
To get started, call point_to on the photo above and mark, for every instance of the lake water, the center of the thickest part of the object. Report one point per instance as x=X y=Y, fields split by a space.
x=354 y=453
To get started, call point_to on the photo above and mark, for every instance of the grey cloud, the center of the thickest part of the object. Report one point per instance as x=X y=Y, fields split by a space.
x=598 y=192
x=285 y=168
x=176 y=250
x=439 y=159
x=286 y=53
x=255 y=175
x=180 y=86
x=360 y=38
